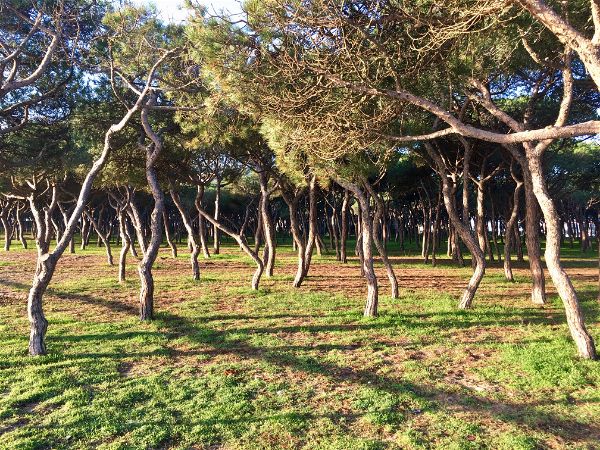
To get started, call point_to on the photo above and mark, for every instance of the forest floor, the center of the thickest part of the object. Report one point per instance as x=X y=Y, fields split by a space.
x=225 y=367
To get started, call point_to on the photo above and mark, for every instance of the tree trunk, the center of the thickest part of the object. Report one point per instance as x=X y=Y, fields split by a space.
x=168 y=236
x=464 y=231
x=436 y=229
x=105 y=239
x=201 y=227
x=153 y=150
x=216 y=241
x=575 y=320
x=187 y=223
x=312 y=223
x=125 y=244
x=380 y=208
x=510 y=225
x=268 y=228
x=239 y=238
x=344 y=220
x=371 y=303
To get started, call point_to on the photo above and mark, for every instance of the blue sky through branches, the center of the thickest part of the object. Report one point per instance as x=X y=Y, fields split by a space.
x=173 y=11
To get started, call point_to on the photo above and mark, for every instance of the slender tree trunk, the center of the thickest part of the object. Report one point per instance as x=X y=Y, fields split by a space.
x=239 y=238
x=510 y=225
x=495 y=232
x=268 y=228
x=170 y=242
x=292 y=203
x=344 y=220
x=312 y=223
x=216 y=242
x=377 y=239
x=436 y=229
x=201 y=227
x=562 y=282
x=366 y=248
x=464 y=231
x=187 y=223
x=125 y=244
x=105 y=239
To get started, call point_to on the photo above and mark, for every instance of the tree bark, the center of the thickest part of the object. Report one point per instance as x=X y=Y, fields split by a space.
x=216 y=241
x=575 y=319
x=464 y=231
x=379 y=210
x=344 y=220
x=268 y=228
x=510 y=224
x=153 y=150
x=168 y=236
x=187 y=223
x=371 y=303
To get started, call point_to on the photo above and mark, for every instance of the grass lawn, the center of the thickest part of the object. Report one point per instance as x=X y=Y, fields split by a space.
x=225 y=367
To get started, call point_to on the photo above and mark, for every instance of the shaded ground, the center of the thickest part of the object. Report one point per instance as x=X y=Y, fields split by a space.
x=226 y=367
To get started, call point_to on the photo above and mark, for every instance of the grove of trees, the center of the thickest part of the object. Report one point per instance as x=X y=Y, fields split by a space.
x=468 y=126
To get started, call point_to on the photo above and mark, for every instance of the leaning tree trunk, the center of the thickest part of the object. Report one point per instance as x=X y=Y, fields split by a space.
x=105 y=239
x=239 y=238
x=156 y=231
x=311 y=240
x=575 y=319
x=344 y=220
x=463 y=230
x=125 y=244
x=187 y=223
x=201 y=226
x=377 y=239
x=47 y=261
x=532 y=242
x=268 y=228
x=292 y=204
x=168 y=236
x=216 y=241
x=508 y=237
x=366 y=248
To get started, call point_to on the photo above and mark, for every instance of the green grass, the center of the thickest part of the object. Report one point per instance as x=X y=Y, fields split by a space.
x=223 y=366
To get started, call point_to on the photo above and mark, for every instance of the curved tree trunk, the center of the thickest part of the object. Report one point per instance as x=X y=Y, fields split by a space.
x=508 y=237
x=105 y=239
x=532 y=242
x=575 y=320
x=292 y=204
x=464 y=231
x=312 y=224
x=201 y=224
x=20 y=230
x=379 y=210
x=239 y=238
x=268 y=228
x=436 y=229
x=187 y=223
x=371 y=303
x=156 y=230
x=125 y=244
x=344 y=220
x=216 y=241
x=168 y=236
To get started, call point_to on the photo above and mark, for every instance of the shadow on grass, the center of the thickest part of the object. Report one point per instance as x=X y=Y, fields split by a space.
x=220 y=342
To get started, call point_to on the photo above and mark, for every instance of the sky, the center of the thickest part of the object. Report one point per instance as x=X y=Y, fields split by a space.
x=171 y=10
